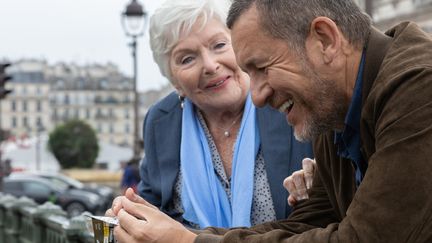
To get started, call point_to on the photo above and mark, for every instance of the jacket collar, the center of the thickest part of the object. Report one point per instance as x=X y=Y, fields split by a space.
x=376 y=48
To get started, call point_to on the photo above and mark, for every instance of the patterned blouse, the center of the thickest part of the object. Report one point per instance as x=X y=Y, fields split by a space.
x=262 y=203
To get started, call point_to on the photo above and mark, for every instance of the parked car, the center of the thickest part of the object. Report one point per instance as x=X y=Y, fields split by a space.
x=73 y=201
x=106 y=193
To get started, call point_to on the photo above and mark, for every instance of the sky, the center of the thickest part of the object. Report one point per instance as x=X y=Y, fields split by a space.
x=79 y=31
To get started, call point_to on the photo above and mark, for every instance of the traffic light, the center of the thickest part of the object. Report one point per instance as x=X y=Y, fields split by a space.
x=3 y=79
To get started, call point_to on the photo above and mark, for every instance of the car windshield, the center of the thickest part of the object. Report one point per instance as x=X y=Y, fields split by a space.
x=59 y=184
x=64 y=181
x=71 y=181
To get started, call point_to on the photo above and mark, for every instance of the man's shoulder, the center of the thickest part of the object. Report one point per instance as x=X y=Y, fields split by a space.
x=411 y=48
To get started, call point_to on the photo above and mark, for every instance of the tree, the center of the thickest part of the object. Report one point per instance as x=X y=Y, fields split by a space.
x=74 y=144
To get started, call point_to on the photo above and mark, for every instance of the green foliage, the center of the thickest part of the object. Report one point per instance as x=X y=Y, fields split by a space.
x=74 y=144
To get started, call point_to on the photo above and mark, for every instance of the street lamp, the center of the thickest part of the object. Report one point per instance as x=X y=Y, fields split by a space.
x=39 y=129
x=133 y=22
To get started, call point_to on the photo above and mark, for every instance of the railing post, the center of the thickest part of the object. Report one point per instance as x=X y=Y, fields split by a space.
x=78 y=231
x=4 y=199
x=42 y=232
x=27 y=225
x=13 y=217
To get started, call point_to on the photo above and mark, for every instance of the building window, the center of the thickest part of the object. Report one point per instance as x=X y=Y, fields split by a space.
x=25 y=122
x=66 y=114
x=66 y=100
x=127 y=113
x=14 y=122
x=111 y=128
x=99 y=112
x=39 y=106
x=38 y=122
x=88 y=113
x=127 y=128
x=99 y=128
x=24 y=105
x=13 y=105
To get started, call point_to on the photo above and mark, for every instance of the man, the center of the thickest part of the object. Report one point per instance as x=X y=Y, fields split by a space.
x=365 y=99
x=362 y=96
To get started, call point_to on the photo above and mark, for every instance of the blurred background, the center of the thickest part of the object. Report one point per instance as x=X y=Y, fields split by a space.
x=77 y=78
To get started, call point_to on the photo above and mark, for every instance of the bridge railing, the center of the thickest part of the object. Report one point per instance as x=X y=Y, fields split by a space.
x=23 y=221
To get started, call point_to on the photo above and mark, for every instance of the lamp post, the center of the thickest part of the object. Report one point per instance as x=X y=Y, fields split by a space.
x=133 y=22
x=39 y=129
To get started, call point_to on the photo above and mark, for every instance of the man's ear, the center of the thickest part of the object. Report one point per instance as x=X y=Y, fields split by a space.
x=325 y=37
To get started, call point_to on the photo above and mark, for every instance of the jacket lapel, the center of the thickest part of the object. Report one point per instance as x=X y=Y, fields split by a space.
x=167 y=137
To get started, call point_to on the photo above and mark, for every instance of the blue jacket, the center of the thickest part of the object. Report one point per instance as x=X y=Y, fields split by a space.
x=161 y=163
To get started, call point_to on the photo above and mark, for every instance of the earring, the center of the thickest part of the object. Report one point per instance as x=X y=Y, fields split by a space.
x=181 y=98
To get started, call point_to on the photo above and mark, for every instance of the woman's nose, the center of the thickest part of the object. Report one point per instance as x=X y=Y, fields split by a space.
x=210 y=63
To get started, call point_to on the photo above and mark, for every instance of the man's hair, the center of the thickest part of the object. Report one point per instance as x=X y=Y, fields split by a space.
x=176 y=18
x=290 y=19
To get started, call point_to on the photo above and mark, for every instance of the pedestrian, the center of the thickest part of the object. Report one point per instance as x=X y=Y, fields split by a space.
x=5 y=170
x=131 y=176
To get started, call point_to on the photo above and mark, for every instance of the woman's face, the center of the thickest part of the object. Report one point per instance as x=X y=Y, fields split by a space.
x=204 y=68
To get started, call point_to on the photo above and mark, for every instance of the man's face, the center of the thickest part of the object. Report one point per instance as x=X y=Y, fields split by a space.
x=286 y=81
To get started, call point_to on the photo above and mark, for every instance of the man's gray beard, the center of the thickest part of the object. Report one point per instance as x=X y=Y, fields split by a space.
x=329 y=116
x=315 y=126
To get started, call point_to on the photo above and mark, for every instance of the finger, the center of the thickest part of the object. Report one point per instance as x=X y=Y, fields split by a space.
x=116 y=205
x=109 y=213
x=291 y=200
x=299 y=182
x=308 y=168
x=121 y=235
x=290 y=186
x=131 y=195
x=133 y=226
x=131 y=229
x=140 y=210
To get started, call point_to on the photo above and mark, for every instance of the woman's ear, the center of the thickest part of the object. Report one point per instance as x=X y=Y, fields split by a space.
x=179 y=89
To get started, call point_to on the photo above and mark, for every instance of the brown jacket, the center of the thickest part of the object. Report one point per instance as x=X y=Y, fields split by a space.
x=394 y=200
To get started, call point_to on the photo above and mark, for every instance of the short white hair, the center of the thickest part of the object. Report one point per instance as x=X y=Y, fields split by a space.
x=176 y=18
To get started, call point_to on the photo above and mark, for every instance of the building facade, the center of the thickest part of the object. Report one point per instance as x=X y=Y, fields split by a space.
x=387 y=13
x=45 y=96
x=27 y=107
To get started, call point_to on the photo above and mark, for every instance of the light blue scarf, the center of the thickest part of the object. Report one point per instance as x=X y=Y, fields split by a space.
x=204 y=199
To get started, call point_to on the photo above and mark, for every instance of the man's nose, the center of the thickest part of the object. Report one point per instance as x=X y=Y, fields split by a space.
x=260 y=91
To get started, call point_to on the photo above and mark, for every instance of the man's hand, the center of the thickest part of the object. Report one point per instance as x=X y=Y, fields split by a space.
x=139 y=221
x=301 y=180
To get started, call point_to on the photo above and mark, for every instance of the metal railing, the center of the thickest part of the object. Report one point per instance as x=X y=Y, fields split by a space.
x=23 y=221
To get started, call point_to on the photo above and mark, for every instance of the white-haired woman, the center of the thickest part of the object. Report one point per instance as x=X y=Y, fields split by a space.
x=211 y=157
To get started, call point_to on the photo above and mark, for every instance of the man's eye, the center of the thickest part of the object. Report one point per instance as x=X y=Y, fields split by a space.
x=262 y=70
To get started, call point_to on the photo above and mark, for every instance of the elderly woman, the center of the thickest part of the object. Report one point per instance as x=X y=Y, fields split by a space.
x=211 y=157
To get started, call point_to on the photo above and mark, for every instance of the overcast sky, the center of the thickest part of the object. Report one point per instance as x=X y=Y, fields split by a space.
x=80 y=31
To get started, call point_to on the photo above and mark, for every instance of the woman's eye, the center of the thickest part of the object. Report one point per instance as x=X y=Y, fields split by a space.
x=186 y=60
x=220 y=45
